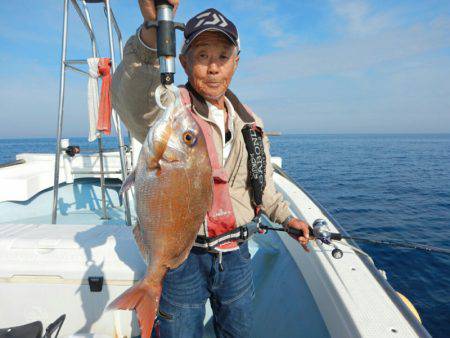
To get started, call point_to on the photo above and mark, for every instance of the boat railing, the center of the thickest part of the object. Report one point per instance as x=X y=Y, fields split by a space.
x=12 y=163
x=84 y=16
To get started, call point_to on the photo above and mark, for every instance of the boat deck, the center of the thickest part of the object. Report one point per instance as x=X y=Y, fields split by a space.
x=78 y=203
x=297 y=294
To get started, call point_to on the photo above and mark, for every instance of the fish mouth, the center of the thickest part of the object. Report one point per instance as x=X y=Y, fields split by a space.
x=158 y=142
x=156 y=153
x=164 y=154
x=172 y=155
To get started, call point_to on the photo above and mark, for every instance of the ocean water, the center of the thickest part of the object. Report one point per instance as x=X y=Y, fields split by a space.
x=390 y=186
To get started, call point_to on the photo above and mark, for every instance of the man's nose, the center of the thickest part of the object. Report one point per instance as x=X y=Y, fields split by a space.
x=213 y=67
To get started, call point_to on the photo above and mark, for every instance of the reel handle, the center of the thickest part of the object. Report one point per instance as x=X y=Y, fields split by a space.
x=336 y=253
x=297 y=233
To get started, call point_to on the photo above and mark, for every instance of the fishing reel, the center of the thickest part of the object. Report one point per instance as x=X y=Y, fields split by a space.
x=165 y=39
x=322 y=233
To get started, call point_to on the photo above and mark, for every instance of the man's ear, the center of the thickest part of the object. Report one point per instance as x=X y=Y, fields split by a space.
x=236 y=62
x=183 y=62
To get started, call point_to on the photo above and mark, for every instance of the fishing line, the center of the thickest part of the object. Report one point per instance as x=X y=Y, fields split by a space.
x=406 y=245
x=377 y=241
x=338 y=236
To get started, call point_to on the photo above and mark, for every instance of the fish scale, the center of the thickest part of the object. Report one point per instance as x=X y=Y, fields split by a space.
x=173 y=190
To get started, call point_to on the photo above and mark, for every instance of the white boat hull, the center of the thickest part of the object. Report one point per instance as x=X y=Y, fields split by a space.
x=45 y=271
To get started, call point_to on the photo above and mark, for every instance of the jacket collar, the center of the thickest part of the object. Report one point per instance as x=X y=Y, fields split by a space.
x=201 y=107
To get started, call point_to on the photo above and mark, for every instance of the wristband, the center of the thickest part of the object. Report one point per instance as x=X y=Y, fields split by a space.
x=138 y=33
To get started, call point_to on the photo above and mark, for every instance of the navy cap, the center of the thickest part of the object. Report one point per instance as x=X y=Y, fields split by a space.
x=209 y=20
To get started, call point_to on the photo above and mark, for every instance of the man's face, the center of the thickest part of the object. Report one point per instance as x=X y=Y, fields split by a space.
x=210 y=63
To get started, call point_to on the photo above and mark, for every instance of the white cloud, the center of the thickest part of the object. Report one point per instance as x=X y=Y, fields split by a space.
x=360 y=18
x=379 y=76
x=388 y=80
x=346 y=57
x=269 y=19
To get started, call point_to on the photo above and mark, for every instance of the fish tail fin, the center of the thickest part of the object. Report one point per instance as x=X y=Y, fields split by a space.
x=144 y=299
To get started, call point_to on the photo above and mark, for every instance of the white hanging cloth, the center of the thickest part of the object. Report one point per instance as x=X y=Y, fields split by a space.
x=92 y=97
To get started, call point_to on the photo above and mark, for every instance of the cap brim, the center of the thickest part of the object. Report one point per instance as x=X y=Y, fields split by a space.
x=196 y=34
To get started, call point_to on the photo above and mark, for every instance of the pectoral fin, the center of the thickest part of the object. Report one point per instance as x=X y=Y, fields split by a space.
x=129 y=181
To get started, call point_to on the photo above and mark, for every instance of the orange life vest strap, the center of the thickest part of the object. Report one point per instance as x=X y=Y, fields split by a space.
x=220 y=218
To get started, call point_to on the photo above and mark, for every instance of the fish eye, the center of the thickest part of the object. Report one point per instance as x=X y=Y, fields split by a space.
x=189 y=138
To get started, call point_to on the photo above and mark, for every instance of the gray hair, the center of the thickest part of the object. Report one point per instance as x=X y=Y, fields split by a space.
x=185 y=49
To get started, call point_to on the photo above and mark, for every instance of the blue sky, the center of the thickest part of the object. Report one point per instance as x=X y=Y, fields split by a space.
x=306 y=66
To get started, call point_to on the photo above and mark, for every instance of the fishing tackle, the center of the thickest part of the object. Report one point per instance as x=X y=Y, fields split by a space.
x=321 y=232
x=165 y=39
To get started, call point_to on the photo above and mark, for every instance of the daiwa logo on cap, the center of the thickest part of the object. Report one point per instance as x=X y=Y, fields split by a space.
x=216 y=18
x=209 y=20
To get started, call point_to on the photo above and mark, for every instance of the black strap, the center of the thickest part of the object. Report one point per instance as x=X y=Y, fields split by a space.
x=253 y=137
x=240 y=234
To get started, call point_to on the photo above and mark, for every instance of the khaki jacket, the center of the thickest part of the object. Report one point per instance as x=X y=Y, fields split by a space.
x=133 y=90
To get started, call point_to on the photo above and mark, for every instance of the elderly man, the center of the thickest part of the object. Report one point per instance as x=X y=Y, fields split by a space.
x=221 y=273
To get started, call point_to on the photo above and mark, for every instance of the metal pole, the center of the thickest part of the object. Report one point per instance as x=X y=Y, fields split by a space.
x=99 y=137
x=90 y=29
x=84 y=21
x=119 y=37
x=121 y=48
x=118 y=127
x=77 y=70
x=102 y=177
x=94 y=172
x=116 y=26
x=76 y=62
x=60 y=113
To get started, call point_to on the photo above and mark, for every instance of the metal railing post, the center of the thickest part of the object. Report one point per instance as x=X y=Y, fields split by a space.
x=122 y=152
x=99 y=137
x=66 y=64
x=85 y=22
x=60 y=114
x=119 y=39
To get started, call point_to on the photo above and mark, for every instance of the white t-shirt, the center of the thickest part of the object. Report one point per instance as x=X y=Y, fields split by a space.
x=218 y=116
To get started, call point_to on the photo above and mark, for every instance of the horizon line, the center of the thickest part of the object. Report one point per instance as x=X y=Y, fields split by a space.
x=267 y=131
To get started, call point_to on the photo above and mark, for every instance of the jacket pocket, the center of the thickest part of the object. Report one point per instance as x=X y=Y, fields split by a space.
x=244 y=253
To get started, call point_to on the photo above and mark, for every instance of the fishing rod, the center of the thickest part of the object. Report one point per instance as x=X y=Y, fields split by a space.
x=320 y=231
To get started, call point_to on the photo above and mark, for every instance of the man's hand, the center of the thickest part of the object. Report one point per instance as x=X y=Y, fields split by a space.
x=304 y=227
x=148 y=8
x=148 y=11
